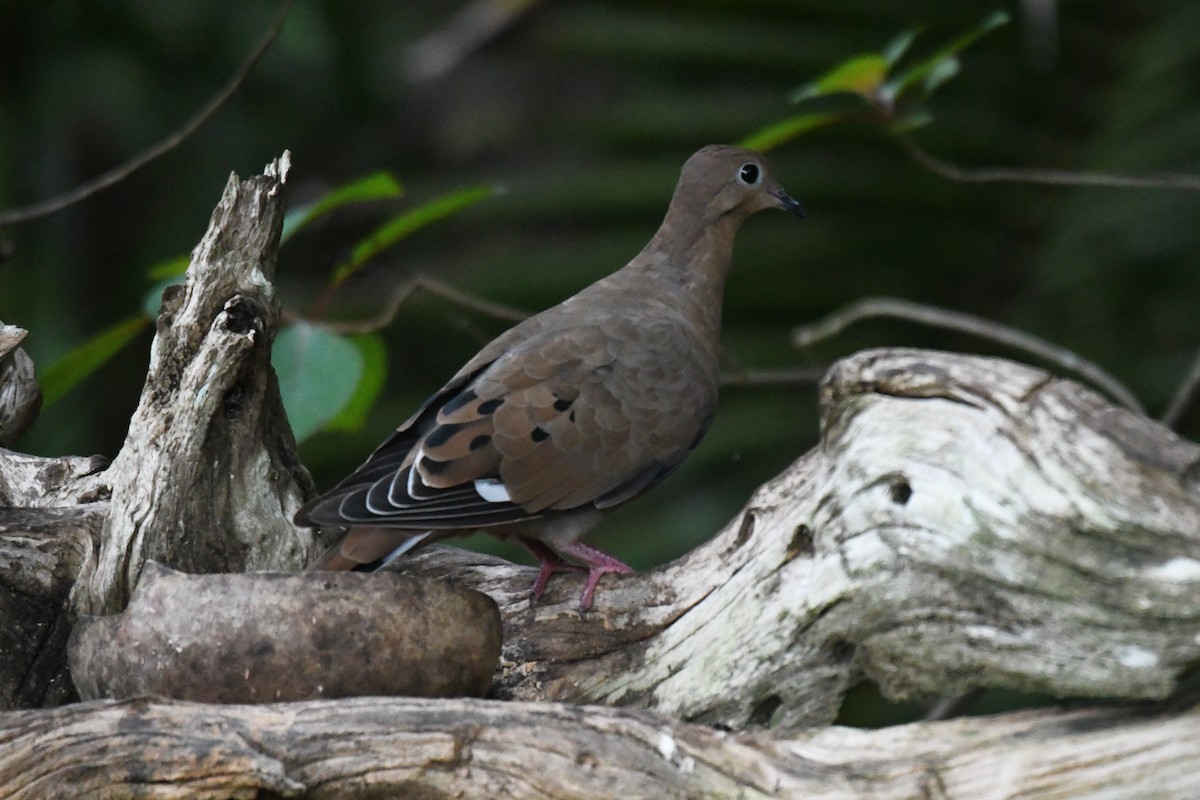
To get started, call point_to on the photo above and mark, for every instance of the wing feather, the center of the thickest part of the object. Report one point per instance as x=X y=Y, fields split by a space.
x=588 y=416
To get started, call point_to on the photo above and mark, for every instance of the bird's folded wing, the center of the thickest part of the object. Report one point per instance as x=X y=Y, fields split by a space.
x=588 y=416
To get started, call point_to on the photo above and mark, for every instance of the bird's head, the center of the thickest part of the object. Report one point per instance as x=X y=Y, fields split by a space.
x=725 y=180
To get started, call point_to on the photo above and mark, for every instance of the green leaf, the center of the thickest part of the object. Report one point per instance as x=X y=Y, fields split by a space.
x=861 y=74
x=919 y=73
x=894 y=50
x=784 y=131
x=403 y=225
x=318 y=371
x=169 y=269
x=379 y=186
x=374 y=357
x=942 y=71
x=65 y=373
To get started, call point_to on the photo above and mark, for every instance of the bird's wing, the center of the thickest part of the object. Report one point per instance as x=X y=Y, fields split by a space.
x=588 y=415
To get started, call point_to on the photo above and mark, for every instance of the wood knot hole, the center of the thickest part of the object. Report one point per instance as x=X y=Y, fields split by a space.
x=900 y=491
x=801 y=543
x=745 y=531
x=240 y=316
x=764 y=710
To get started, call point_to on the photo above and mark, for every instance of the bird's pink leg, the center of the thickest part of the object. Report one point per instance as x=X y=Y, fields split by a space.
x=549 y=561
x=598 y=563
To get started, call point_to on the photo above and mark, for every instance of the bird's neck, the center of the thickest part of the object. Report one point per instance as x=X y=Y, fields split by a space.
x=689 y=258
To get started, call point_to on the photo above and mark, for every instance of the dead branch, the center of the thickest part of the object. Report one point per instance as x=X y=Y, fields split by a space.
x=945 y=319
x=159 y=149
x=1046 y=177
x=380 y=747
x=20 y=395
x=208 y=478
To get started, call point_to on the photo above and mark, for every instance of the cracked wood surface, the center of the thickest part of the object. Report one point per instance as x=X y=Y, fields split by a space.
x=391 y=747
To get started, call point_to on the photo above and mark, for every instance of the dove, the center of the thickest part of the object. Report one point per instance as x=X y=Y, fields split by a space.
x=572 y=412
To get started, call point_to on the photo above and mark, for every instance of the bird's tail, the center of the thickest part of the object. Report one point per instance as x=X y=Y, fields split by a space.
x=368 y=549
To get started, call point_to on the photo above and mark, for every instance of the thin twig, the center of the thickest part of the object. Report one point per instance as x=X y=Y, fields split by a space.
x=934 y=317
x=123 y=171
x=1052 y=177
x=1185 y=398
x=748 y=378
x=737 y=377
x=434 y=287
x=472 y=26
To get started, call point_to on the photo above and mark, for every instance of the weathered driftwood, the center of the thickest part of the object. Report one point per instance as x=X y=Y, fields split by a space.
x=20 y=395
x=271 y=637
x=964 y=522
x=206 y=481
x=208 y=477
x=409 y=748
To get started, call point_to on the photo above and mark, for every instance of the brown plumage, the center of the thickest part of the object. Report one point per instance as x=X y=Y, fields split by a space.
x=575 y=410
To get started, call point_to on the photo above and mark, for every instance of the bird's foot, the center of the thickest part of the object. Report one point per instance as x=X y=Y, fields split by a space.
x=598 y=564
x=549 y=562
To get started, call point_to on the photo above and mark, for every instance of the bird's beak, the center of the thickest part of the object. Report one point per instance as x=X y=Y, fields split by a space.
x=787 y=203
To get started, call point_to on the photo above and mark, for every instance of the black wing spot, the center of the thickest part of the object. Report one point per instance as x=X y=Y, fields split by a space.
x=461 y=399
x=488 y=406
x=478 y=442
x=539 y=434
x=442 y=434
x=562 y=405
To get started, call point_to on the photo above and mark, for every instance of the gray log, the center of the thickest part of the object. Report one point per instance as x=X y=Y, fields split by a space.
x=410 y=748
x=206 y=481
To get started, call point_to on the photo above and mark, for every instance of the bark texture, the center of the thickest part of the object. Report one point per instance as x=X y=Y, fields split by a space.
x=263 y=637
x=208 y=478
x=206 y=481
x=410 y=748
x=20 y=395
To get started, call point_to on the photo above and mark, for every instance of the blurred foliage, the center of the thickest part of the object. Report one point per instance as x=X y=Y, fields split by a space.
x=585 y=110
x=326 y=379
x=319 y=373
x=876 y=83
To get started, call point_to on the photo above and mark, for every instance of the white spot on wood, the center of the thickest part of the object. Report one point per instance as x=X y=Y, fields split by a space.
x=669 y=750
x=1177 y=570
x=1136 y=657
x=666 y=745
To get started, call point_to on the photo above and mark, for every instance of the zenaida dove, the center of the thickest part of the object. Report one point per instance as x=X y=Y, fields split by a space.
x=573 y=411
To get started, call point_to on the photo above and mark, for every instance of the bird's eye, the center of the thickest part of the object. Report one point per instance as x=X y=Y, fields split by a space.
x=749 y=174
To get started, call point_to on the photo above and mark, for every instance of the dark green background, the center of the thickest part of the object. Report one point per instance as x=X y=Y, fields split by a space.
x=585 y=111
